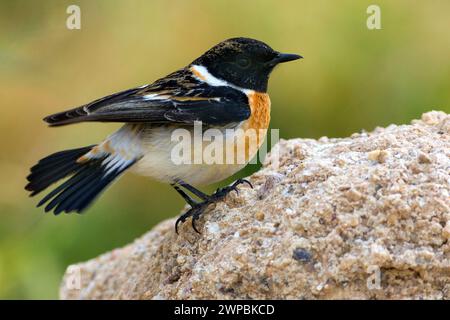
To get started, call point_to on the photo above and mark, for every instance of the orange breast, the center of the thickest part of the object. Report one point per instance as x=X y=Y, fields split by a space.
x=260 y=108
x=255 y=127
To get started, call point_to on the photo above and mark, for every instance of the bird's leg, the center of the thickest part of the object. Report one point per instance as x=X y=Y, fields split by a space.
x=186 y=198
x=195 y=191
x=197 y=208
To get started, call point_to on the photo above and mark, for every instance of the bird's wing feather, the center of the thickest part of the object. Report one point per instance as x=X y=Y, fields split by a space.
x=177 y=98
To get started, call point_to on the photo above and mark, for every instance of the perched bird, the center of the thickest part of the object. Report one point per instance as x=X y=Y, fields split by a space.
x=225 y=88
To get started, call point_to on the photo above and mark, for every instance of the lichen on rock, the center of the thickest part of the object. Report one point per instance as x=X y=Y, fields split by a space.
x=361 y=217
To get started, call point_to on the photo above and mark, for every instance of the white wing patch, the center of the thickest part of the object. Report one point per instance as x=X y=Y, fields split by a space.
x=201 y=73
x=155 y=96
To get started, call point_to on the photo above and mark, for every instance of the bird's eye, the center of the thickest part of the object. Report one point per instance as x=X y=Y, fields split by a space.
x=243 y=62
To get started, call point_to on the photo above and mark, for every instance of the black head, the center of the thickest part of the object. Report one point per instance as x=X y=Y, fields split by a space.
x=244 y=62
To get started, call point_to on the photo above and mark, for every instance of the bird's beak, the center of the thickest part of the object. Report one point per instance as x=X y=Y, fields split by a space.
x=284 y=57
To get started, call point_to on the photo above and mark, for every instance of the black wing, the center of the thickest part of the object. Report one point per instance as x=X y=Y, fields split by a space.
x=177 y=98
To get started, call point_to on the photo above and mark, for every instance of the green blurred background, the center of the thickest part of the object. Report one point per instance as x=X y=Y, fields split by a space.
x=351 y=78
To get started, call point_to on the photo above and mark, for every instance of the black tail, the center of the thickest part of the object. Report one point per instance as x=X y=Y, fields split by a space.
x=87 y=180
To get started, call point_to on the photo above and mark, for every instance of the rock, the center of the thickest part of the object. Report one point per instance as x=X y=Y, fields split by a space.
x=361 y=217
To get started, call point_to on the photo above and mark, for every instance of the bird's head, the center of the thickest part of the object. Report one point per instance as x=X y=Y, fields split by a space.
x=243 y=62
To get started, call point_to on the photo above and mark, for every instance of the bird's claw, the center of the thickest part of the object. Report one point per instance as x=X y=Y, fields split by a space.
x=241 y=181
x=222 y=192
x=235 y=185
x=194 y=218
x=193 y=212
x=181 y=219
x=196 y=210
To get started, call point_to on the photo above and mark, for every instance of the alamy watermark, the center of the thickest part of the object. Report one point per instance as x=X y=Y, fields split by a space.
x=73 y=278
x=374 y=19
x=73 y=21
x=373 y=281
x=198 y=145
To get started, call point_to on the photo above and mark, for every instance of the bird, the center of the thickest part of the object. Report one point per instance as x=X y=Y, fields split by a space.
x=224 y=89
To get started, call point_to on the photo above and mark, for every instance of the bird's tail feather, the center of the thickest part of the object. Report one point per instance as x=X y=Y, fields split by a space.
x=87 y=179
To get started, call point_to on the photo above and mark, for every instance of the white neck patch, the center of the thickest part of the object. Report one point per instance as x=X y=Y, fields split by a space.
x=201 y=73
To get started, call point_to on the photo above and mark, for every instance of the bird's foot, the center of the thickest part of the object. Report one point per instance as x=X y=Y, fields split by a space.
x=195 y=211
x=198 y=208
x=221 y=193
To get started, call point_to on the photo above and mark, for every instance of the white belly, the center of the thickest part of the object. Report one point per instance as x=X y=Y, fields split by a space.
x=158 y=162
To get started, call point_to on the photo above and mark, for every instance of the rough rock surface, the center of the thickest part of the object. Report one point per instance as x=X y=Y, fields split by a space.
x=362 y=217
